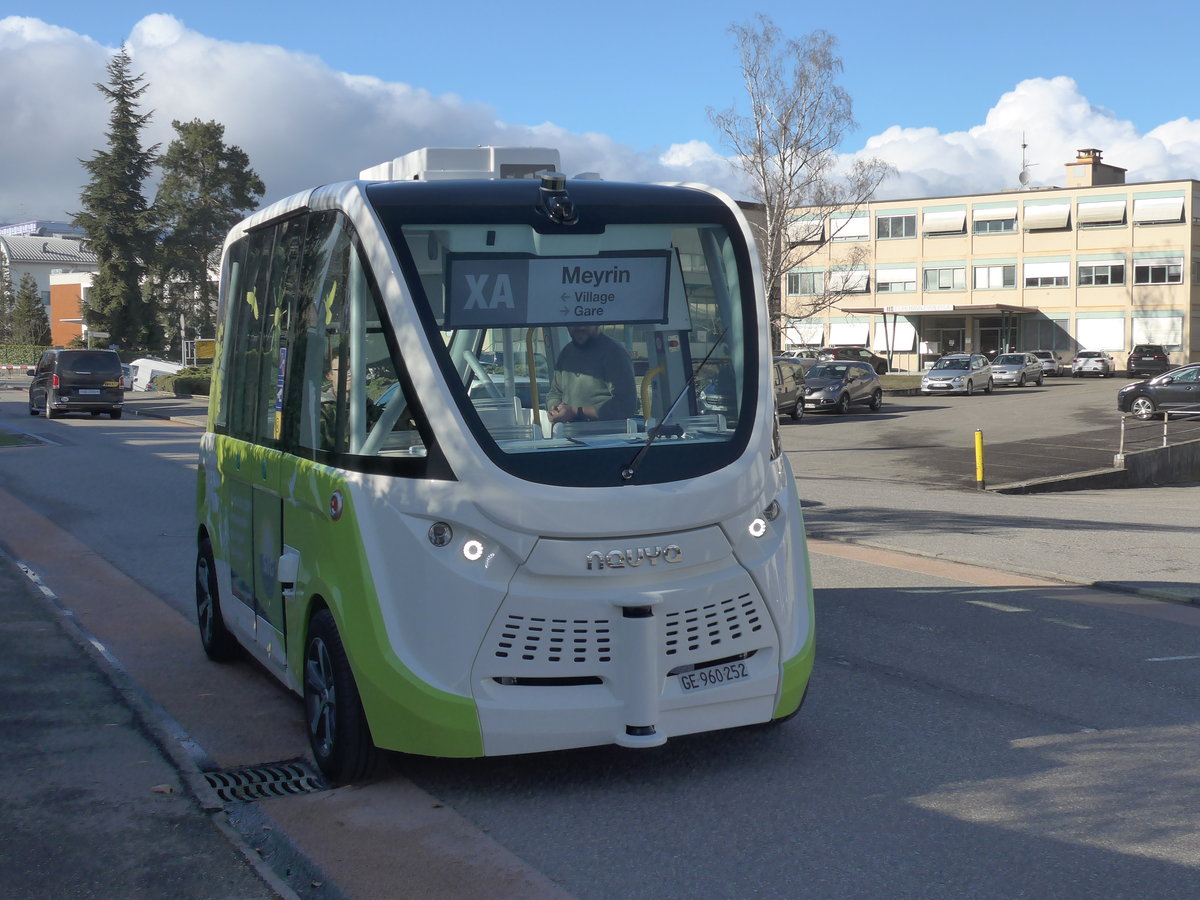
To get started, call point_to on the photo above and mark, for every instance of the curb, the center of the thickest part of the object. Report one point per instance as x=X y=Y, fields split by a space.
x=179 y=750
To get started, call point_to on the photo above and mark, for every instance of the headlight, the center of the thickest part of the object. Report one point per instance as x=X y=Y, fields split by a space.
x=958 y=380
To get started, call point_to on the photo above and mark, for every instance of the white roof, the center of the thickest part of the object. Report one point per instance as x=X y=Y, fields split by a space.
x=50 y=250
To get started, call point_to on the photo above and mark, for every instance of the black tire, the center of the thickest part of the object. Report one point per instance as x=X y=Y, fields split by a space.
x=337 y=727
x=876 y=400
x=33 y=411
x=1021 y=380
x=797 y=411
x=843 y=405
x=1143 y=408
x=1040 y=380
x=116 y=413
x=969 y=389
x=988 y=388
x=219 y=644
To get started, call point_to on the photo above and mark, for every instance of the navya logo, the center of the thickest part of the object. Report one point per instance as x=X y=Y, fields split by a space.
x=630 y=559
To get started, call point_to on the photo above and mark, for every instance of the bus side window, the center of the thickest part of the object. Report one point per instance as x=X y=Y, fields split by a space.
x=321 y=343
x=243 y=353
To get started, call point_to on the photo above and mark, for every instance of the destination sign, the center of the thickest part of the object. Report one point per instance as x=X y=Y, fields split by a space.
x=495 y=291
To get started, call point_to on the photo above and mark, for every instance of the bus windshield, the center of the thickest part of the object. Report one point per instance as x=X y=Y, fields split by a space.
x=564 y=344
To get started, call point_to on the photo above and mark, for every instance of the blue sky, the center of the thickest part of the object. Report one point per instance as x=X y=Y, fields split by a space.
x=938 y=88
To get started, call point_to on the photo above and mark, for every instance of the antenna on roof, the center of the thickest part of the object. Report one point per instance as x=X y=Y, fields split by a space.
x=1024 y=176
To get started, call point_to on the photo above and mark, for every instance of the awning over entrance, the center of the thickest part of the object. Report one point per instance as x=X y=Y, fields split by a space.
x=938 y=309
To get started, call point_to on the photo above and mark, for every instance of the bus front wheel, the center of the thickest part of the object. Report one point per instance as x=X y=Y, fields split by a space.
x=337 y=727
x=219 y=644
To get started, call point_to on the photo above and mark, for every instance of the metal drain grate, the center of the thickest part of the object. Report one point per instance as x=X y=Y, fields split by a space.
x=284 y=779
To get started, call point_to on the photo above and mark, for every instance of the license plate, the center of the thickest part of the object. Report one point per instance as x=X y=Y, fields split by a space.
x=83 y=391
x=713 y=676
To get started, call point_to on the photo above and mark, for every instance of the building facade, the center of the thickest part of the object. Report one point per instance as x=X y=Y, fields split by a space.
x=1099 y=264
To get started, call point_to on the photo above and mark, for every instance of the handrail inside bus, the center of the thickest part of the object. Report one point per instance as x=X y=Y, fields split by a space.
x=647 y=384
x=531 y=364
x=477 y=368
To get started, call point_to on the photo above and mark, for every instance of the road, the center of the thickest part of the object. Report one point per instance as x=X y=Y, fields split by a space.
x=970 y=732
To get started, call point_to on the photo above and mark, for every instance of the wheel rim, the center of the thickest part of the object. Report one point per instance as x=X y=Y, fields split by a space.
x=204 y=600
x=320 y=697
x=1142 y=408
x=970 y=388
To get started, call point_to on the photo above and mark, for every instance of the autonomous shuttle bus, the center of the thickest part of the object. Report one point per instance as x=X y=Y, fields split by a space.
x=459 y=487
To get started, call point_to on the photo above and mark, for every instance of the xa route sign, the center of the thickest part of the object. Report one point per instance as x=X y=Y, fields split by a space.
x=498 y=291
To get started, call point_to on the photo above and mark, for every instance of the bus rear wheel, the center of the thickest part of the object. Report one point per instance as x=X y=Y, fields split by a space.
x=337 y=726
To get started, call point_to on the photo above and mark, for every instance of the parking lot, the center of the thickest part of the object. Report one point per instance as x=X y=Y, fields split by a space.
x=1068 y=425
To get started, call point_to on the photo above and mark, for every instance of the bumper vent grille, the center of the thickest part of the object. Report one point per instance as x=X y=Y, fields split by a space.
x=544 y=639
x=709 y=625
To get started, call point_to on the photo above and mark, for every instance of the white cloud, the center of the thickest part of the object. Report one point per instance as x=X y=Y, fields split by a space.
x=303 y=123
x=1055 y=120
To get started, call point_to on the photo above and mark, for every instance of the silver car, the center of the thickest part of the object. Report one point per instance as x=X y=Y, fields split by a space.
x=838 y=384
x=1092 y=362
x=1017 y=369
x=958 y=373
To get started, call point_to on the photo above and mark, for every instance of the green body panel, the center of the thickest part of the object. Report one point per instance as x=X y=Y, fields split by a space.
x=404 y=712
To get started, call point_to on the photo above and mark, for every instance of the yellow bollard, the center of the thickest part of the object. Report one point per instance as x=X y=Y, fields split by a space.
x=979 y=482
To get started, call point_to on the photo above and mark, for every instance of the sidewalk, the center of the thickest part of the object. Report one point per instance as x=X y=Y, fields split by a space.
x=93 y=802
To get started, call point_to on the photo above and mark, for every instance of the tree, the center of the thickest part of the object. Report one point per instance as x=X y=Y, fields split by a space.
x=787 y=146
x=116 y=218
x=7 y=300
x=30 y=325
x=206 y=188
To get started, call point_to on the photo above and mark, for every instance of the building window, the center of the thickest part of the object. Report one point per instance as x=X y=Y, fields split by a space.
x=895 y=280
x=988 y=278
x=1158 y=271
x=947 y=279
x=995 y=226
x=854 y=228
x=895 y=226
x=1047 y=274
x=1097 y=274
x=805 y=283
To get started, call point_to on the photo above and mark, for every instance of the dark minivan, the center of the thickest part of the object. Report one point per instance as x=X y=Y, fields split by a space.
x=77 y=381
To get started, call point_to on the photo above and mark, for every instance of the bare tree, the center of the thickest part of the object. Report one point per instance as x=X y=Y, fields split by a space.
x=787 y=146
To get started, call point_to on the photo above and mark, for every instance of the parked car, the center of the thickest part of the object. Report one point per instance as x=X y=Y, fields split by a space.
x=1092 y=362
x=959 y=373
x=1147 y=359
x=860 y=354
x=1049 y=362
x=77 y=381
x=1171 y=390
x=788 y=377
x=789 y=387
x=840 y=384
x=1017 y=369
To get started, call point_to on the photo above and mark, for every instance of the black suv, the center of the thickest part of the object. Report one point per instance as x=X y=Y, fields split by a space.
x=77 y=381
x=1148 y=359
x=860 y=354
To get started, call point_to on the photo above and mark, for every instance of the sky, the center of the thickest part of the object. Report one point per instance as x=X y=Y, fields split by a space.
x=944 y=92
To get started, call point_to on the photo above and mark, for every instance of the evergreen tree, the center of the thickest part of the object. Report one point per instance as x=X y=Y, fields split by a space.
x=116 y=218
x=7 y=301
x=206 y=187
x=30 y=325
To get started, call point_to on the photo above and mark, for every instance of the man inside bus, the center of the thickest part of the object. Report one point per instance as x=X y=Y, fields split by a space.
x=593 y=379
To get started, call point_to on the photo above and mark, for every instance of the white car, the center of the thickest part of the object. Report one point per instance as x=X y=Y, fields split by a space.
x=1092 y=362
